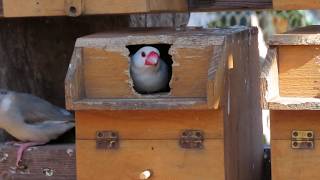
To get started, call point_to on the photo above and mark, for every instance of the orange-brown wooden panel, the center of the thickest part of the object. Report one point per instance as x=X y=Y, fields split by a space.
x=164 y=158
x=149 y=124
x=284 y=122
x=295 y=4
x=299 y=71
x=294 y=164
x=106 y=74
x=190 y=72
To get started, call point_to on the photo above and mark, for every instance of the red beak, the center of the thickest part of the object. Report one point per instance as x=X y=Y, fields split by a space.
x=152 y=58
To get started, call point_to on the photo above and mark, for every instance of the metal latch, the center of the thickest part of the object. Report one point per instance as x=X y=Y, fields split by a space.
x=191 y=139
x=107 y=140
x=302 y=139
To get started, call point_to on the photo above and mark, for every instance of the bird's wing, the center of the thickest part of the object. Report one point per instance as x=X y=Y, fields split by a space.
x=36 y=110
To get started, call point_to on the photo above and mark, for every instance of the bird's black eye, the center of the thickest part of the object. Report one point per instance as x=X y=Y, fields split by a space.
x=143 y=54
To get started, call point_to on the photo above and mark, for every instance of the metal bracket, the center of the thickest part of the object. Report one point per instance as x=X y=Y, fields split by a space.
x=73 y=8
x=192 y=139
x=107 y=140
x=302 y=139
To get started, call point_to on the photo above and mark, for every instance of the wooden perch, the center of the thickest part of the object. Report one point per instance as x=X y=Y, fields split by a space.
x=39 y=163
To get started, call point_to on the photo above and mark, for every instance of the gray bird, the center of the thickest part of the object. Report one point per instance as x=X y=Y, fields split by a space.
x=32 y=120
x=148 y=71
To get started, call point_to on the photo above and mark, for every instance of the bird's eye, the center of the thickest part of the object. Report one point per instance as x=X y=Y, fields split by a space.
x=143 y=54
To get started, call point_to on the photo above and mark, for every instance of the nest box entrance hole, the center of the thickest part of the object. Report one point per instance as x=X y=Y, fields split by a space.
x=164 y=55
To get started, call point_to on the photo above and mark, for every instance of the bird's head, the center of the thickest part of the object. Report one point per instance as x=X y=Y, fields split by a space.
x=146 y=57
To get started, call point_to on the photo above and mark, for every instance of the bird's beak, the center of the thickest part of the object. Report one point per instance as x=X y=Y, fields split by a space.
x=152 y=59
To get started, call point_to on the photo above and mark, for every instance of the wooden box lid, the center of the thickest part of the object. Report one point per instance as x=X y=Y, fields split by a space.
x=99 y=78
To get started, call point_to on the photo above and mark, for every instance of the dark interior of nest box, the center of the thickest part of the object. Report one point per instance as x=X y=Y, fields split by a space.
x=164 y=55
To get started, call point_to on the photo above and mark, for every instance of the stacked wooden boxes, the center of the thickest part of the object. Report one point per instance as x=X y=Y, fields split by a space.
x=207 y=127
x=291 y=79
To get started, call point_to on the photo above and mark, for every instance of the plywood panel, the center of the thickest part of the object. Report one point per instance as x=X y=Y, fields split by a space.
x=283 y=122
x=163 y=157
x=190 y=72
x=299 y=71
x=288 y=163
x=149 y=124
x=106 y=74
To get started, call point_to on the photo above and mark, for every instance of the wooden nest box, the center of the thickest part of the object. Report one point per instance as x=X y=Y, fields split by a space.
x=206 y=126
x=291 y=86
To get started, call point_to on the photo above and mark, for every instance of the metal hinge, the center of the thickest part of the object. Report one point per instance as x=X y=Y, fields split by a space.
x=192 y=139
x=302 y=139
x=107 y=140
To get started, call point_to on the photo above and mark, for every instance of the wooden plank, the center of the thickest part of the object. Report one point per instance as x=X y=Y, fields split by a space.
x=25 y=8
x=155 y=103
x=213 y=5
x=148 y=124
x=1 y=8
x=288 y=163
x=164 y=158
x=284 y=122
x=299 y=71
x=74 y=79
x=269 y=77
x=243 y=128
x=293 y=103
x=308 y=35
x=42 y=162
x=295 y=4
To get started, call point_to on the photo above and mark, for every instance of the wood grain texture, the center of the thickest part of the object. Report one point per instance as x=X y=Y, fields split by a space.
x=288 y=163
x=295 y=4
x=308 y=35
x=294 y=103
x=243 y=128
x=60 y=159
x=299 y=71
x=213 y=5
x=163 y=157
x=149 y=125
x=1 y=8
x=193 y=80
x=27 y=8
x=269 y=77
x=284 y=122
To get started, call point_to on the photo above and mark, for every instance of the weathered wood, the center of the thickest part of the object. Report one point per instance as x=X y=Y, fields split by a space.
x=213 y=5
x=295 y=4
x=269 y=77
x=27 y=8
x=140 y=103
x=300 y=36
x=294 y=103
x=42 y=162
x=1 y=8
x=242 y=126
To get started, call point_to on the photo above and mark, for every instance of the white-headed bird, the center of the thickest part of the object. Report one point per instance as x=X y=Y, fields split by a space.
x=32 y=120
x=148 y=71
